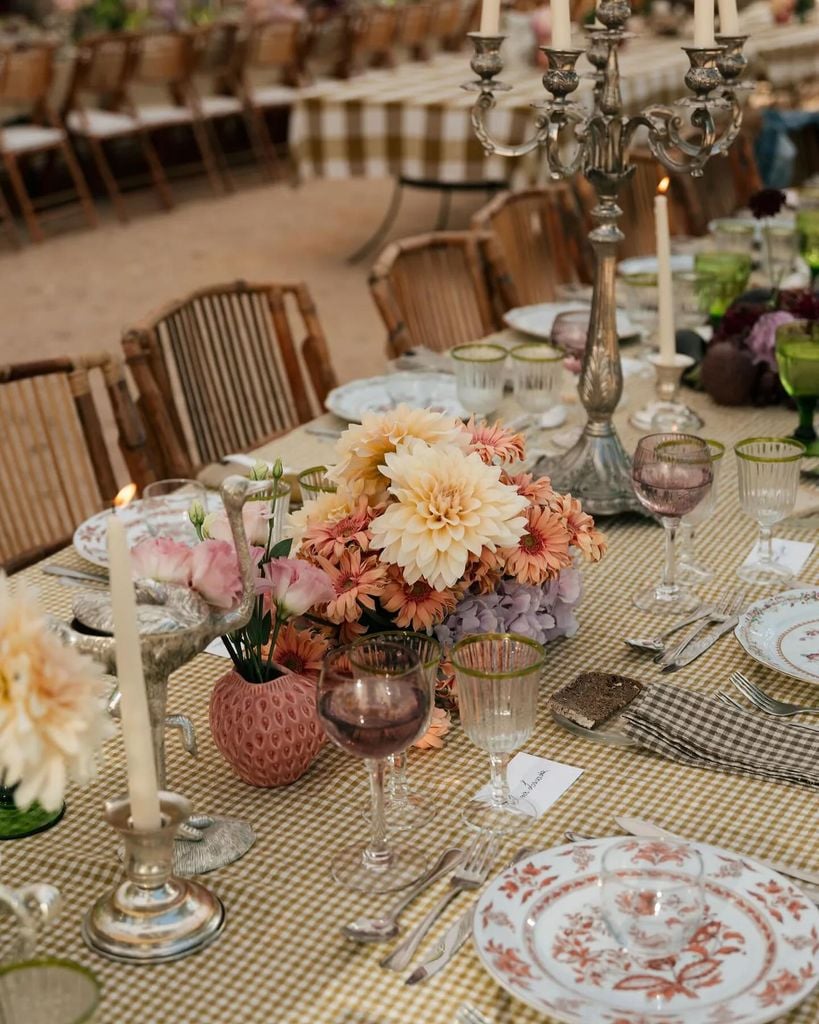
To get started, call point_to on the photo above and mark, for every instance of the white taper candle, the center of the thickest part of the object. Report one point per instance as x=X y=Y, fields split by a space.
x=703 y=23
x=490 y=17
x=136 y=724
x=728 y=18
x=665 y=307
x=561 y=25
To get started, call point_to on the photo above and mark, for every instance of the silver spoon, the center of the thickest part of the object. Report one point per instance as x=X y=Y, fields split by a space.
x=378 y=929
x=656 y=643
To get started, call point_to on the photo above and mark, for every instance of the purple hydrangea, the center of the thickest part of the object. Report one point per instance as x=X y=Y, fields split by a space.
x=541 y=613
x=761 y=341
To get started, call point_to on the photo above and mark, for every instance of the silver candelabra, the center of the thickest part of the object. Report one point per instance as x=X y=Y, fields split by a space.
x=596 y=142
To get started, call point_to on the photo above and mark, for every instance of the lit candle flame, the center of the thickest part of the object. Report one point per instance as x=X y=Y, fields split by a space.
x=662 y=188
x=125 y=496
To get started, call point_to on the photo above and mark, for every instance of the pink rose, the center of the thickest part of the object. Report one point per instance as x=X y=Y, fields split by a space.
x=162 y=559
x=256 y=519
x=215 y=573
x=294 y=586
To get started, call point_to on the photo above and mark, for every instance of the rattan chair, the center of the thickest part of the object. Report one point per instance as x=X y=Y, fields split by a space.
x=540 y=233
x=726 y=185
x=220 y=370
x=55 y=467
x=26 y=76
x=413 y=32
x=433 y=291
x=370 y=36
x=450 y=22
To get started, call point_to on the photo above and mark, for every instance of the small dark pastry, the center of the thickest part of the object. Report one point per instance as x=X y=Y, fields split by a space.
x=594 y=697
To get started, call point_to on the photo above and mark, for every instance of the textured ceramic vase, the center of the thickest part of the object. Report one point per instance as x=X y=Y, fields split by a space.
x=268 y=732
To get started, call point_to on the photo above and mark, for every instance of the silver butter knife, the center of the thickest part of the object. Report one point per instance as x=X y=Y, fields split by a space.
x=698 y=647
x=648 y=830
x=456 y=935
x=76 y=574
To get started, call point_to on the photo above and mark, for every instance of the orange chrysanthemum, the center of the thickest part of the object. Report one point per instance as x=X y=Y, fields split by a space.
x=350 y=631
x=300 y=650
x=356 y=583
x=329 y=539
x=539 y=491
x=584 y=535
x=495 y=442
x=483 y=571
x=542 y=551
x=416 y=605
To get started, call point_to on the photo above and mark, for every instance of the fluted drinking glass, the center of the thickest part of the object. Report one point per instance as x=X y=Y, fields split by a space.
x=498 y=676
x=689 y=568
x=537 y=371
x=768 y=472
x=314 y=481
x=480 y=373
x=373 y=702
x=405 y=806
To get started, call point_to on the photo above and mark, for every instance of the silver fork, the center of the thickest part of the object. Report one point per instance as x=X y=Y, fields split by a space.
x=728 y=605
x=657 y=643
x=469 y=1014
x=770 y=705
x=726 y=698
x=472 y=873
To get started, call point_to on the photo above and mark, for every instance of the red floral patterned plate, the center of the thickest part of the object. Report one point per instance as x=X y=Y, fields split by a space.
x=91 y=537
x=540 y=934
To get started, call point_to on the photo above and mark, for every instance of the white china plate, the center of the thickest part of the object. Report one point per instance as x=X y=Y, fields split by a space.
x=782 y=632
x=680 y=262
x=540 y=934
x=91 y=537
x=537 y=320
x=425 y=390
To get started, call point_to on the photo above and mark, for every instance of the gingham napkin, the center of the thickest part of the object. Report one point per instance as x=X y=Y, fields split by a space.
x=699 y=730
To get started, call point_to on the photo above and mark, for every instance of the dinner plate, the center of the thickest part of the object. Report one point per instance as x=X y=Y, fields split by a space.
x=539 y=932
x=537 y=320
x=91 y=537
x=609 y=733
x=426 y=390
x=680 y=262
x=782 y=632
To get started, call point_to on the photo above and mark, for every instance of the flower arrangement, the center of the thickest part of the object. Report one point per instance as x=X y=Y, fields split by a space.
x=431 y=529
x=271 y=643
x=53 y=713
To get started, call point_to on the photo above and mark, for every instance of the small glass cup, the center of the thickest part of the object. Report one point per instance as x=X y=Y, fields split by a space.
x=480 y=374
x=642 y=300
x=672 y=474
x=372 y=702
x=689 y=569
x=537 y=373
x=733 y=235
x=314 y=481
x=797 y=355
x=652 y=896
x=690 y=309
x=405 y=807
x=48 y=991
x=725 y=276
x=807 y=227
x=779 y=243
x=166 y=505
x=498 y=675
x=768 y=470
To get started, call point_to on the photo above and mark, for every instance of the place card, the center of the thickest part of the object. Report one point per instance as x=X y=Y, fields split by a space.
x=537 y=779
x=793 y=554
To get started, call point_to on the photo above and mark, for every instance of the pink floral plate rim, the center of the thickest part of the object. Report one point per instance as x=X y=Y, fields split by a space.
x=91 y=537
x=755 y=957
x=764 y=627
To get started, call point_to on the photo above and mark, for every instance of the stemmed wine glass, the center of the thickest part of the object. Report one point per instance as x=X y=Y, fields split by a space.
x=374 y=701
x=689 y=568
x=498 y=676
x=404 y=806
x=768 y=470
x=672 y=474
x=797 y=356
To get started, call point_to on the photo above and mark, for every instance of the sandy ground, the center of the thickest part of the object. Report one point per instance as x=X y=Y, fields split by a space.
x=78 y=290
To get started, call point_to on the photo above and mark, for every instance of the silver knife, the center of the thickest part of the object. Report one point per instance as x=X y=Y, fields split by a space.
x=648 y=830
x=456 y=935
x=698 y=647
x=76 y=574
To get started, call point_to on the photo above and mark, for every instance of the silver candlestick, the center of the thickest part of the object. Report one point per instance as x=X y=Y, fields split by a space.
x=152 y=916
x=175 y=626
x=596 y=142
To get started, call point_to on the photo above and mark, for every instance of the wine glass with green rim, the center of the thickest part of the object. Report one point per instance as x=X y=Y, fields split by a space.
x=797 y=355
x=725 y=277
x=314 y=481
x=807 y=226
x=48 y=991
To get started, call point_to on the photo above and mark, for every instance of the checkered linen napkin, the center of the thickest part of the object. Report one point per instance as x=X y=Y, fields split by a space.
x=699 y=730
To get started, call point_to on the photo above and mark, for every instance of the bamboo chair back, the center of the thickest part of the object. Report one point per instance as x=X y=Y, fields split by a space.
x=447 y=20
x=104 y=64
x=540 y=234
x=220 y=371
x=370 y=35
x=414 y=26
x=432 y=290
x=165 y=59
x=27 y=74
x=216 y=52
x=55 y=468
x=725 y=186
x=276 y=44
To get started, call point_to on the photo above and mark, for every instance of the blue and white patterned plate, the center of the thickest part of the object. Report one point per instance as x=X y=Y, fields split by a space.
x=782 y=632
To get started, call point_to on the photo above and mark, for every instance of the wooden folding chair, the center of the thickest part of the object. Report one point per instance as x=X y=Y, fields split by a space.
x=432 y=290
x=370 y=35
x=220 y=370
x=55 y=467
x=540 y=234
x=26 y=75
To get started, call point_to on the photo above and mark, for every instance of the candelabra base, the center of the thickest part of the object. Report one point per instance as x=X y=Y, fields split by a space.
x=597 y=470
x=153 y=916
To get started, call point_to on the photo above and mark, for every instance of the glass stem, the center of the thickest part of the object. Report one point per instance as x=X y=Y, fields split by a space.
x=805 y=431
x=377 y=856
x=766 y=554
x=398 y=787
x=686 y=543
x=500 y=785
x=670 y=568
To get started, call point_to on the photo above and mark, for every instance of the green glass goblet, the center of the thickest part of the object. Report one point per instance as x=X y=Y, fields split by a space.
x=725 y=276
x=807 y=226
x=797 y=354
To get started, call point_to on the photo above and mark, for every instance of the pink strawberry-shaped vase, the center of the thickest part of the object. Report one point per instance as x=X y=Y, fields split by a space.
x=268 y=732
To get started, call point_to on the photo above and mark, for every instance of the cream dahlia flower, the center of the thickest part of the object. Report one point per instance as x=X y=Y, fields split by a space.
x=326 y=508
x=361 y=448
x=53 y=714
x=449 y=505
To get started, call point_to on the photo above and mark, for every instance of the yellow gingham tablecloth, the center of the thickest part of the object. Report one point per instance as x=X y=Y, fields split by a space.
x=414 y=120
x=282 y=957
